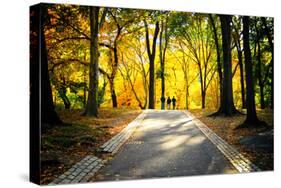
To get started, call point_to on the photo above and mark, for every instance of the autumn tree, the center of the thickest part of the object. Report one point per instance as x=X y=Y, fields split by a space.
x=236 y=23
x=251 y=119
x=163 y=44
x=117 y=27
x=151 y=51
x=262 y=66
x=195 y=33
x=227 y=107
x=138 y=47
x=48 y=113
x=92 y=103
x=214 y=26
x=185 y=62
x=134 y=61
x=268 y=29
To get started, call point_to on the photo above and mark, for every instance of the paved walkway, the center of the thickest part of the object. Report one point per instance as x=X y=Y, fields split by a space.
x=167 y=143
x=160 y=143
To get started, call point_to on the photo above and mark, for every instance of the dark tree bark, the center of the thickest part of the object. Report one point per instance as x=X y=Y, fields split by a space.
x=62 y=93
x=251 y=118
x=113 y=93
x=113 y=74
x=219 y=66
x=48 y=113
x=241 y=67
x=162 y=55
x=162 y=66
x=259 y=75
x=270 y=41
x=238 y=46
x=92 y=103
x=227 y=107
x=85 y=87
x=203 y=98
x=151 y=56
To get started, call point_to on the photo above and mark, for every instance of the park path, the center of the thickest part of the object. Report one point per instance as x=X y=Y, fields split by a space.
x=167 y=143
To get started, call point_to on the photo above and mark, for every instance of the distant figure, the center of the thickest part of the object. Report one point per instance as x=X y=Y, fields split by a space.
x=174 y=102
x=163 y=102
x=169 y=103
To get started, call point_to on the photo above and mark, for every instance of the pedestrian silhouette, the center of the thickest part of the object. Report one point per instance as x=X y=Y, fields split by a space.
x=163 y=102
x=169 y=103
x=174 y=102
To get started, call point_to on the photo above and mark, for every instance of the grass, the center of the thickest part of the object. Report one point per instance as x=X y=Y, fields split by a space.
x=225 y=127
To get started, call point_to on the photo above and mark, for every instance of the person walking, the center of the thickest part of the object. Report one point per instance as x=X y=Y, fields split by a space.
x=163 y=103
x=169 y=103
x=174 y=102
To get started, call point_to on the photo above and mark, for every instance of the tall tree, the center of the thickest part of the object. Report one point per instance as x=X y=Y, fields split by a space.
x=238 y=46
x=227 y=107
x=193 y=30
x=136 y=56
x=163 y=44
x=92 y=103
x=48 y=113
x=185 y=61
x=151 y=51
x=131 y=73
x=251 y=118
x=269 y=34
x=259 y=67
x=122 y=20
x=219 y=64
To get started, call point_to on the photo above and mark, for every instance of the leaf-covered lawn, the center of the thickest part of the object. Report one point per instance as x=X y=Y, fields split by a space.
x=63 y=146
x=225 y=128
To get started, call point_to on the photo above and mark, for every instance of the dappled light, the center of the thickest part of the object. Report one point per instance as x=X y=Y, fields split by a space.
x=128 y=91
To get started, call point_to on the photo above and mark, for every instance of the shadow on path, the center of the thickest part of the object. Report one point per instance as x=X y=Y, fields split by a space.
x=166 y=144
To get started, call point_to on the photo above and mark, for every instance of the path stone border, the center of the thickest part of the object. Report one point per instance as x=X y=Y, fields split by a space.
x=80 y=172
x=241 y=163
x=114 y=144
x=89 y=165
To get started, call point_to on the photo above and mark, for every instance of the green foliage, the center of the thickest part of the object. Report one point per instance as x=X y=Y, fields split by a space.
x=61 y=141
x=101 y=93
x=122 y=34
x=67 y=136
x=87 y=138
x=159 y=73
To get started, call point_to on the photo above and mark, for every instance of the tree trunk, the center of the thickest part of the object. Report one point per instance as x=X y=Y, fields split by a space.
x=186 y=87
x=92 y=104
x=186 y=97
x=240 y=59
x=85 y=85
x=251 y=118
x=162 y=66
x=62 y=93
x=262 y=103
x=219 y=68
x=151 y=55
x=48 y=113
x=201 y=87
x=270 y=41
x=203 y=99
x=162 y=53
x=227 y=107
x=151 y=84
x=114 y=71
x=260 y=80
x=84 y=90
x=112 y=92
